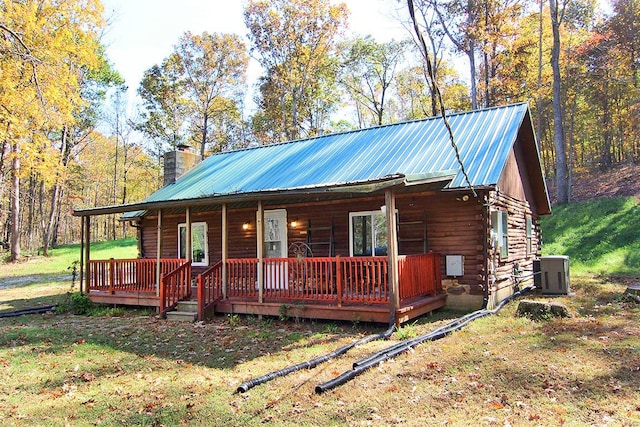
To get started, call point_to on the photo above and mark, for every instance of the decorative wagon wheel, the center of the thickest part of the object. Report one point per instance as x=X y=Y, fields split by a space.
x=300 y=250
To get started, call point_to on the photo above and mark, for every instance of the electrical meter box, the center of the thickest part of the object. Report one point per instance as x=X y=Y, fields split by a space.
x=554 y=274
x=454 y=265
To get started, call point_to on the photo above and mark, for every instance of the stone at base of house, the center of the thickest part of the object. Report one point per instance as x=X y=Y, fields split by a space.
x=459 y=297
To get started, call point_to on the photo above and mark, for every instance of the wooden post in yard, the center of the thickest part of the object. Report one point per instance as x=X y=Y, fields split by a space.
x=189 y=248
x=392 y=252
x=224 y=251
x=87 y=252
x=260 y=250
x=81 y=275
x=158 y=252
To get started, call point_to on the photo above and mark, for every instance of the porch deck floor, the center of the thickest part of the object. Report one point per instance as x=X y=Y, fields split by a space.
x=310 y=309
x=327 y=310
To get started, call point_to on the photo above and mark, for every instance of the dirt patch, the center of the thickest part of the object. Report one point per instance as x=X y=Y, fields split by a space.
x=619 y=181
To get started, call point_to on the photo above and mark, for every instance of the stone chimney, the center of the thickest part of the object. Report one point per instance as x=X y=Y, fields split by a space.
x=178 y=162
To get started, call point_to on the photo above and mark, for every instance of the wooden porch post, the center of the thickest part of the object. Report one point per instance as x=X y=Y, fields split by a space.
x=81 y=277
x=392 y=251
x=260 y=250
x=159 y=252
x=224 y=251
x=87 y=253
x=189 y=249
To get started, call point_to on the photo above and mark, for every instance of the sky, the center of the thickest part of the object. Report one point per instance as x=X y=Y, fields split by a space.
x=141 y=33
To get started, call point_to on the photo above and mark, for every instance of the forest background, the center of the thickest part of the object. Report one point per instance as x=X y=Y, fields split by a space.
x=69 y=141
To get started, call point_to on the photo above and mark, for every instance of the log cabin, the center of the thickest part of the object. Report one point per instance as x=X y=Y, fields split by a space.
x=381 y=224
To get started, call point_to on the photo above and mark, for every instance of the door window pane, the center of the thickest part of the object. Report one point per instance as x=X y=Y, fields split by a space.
x=199 y=255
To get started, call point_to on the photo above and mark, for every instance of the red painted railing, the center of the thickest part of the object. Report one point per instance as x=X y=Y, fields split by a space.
x=363 y=279
x=242 y=277
x=419 y=275
x=175 y=286
x=209 y=289
x=300 y=278
x=128 y=275
x=330 y=279
x=339 y=279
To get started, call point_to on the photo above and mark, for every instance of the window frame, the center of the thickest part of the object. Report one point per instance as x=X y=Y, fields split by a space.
x=372 y=236
x=500 y=230
x=529 y=236
x=205 y=259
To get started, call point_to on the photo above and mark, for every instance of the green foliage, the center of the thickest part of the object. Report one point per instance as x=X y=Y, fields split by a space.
x=75 y=303
x=284 y=311
x=598 y=236
x=406 y=332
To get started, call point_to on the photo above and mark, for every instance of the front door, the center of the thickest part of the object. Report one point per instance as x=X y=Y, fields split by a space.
x=275 y=246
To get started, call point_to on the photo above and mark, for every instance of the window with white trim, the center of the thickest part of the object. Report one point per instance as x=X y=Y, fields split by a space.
x=500 y=232
x=368 y=233
x=199 y=246
x=529 y=231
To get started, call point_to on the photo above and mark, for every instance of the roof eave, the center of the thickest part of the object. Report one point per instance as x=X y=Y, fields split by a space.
x=363 y=187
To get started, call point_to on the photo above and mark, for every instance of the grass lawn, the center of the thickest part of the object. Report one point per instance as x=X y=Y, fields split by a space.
x=21 y=284
x=501 y=370
x=126 y=367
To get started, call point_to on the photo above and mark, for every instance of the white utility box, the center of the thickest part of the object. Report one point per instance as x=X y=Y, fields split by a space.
x=454 y=265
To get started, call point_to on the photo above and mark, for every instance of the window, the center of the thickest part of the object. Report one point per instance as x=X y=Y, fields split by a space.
x=500 y=232
x=368 y=233
x=529 y=243
x=199 y=252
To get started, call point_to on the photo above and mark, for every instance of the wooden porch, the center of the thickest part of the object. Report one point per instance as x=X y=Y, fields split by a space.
x=335 y=288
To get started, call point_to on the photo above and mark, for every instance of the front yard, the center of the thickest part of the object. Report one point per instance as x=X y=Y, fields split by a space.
x=130 y=368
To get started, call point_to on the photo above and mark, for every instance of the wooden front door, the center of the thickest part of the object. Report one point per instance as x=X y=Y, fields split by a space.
x=275 y=246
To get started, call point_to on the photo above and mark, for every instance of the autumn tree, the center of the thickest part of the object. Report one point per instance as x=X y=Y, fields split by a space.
x=294 y=41
x=459 y=20
x=195 y=91
x=163 y=115
x=368 y=71
x=44 y=46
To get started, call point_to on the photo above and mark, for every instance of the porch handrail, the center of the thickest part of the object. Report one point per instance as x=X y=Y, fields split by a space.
x=242 y=277
x=128 y=275
x=175 y=286
x=209 y=288
x=364 y=279
x=419 y=275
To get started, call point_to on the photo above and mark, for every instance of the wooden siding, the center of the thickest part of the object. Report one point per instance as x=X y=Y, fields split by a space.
x=441 y=222
x=501 y=269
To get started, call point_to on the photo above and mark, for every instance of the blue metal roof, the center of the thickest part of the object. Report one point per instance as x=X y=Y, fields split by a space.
x=484 y=139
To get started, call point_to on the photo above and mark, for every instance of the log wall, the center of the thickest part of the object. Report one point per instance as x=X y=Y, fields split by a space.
x=441 y=222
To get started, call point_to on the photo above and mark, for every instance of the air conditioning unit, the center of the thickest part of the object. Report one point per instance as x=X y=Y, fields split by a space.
x=554 y=274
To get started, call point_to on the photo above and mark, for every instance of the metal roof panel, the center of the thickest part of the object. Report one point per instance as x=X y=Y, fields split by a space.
x=484 y=139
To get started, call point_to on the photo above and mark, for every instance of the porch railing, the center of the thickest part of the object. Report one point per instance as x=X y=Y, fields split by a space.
x=339 y=279
x=419 y=275
x=175 y=286
x=209 y=289
x=128 y=275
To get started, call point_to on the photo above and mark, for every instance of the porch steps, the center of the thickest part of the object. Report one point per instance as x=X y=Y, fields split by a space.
x=186 y=311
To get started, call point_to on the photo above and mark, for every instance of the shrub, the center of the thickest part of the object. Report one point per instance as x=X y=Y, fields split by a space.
x=75 y=303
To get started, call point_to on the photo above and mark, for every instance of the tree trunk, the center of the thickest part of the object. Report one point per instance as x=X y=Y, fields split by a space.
x=471 y=54
x=539 y=97
x=203 y=143
x=15 y=206
x=562 y=184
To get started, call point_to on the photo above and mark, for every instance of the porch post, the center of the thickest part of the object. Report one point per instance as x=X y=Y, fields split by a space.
x=81 y=276
x=188 y=249
x=87 y=253
x=260 y=250
x=392 y=252
x=159 y=252
x=224 y=251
